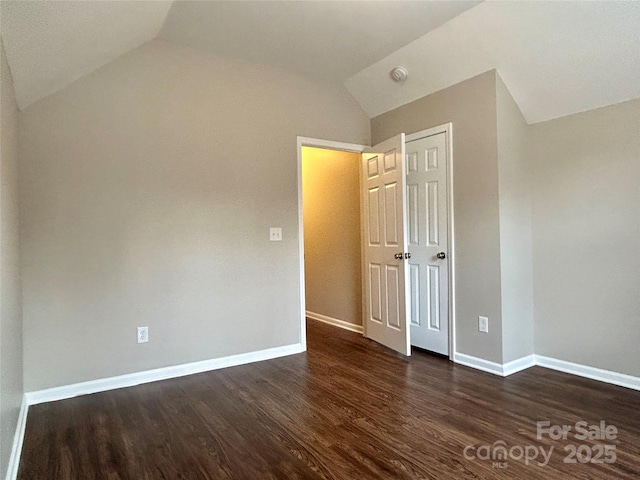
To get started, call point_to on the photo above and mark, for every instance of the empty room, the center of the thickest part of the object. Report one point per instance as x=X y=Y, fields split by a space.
x=319 y=239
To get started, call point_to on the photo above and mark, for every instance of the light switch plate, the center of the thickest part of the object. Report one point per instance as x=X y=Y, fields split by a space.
x=275 y=234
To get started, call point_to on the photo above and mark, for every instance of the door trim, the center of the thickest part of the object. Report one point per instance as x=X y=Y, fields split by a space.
x=329 y=145
x=447 y=129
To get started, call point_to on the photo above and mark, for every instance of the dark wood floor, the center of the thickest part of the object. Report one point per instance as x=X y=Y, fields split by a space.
x=347 y=409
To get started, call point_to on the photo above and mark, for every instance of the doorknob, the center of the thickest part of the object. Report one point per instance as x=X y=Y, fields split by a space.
x=407 y=256
x=441 y=255
x=398 y=256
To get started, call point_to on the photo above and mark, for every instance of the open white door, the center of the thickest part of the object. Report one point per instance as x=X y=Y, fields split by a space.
x=385 y=244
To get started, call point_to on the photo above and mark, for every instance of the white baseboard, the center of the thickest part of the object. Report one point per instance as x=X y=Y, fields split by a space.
x=334 y=321
x=504 y=370
x=16 y=449
x=518 y=365
x=478 y=363
x=599 y=374
x=132 y=379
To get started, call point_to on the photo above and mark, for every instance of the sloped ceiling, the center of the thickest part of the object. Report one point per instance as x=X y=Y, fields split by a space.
x=327 y=40
x=556 y=58
x=49 y=44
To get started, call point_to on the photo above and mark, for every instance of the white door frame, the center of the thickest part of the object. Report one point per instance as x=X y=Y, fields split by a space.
x=329 y=145
x=447 y=129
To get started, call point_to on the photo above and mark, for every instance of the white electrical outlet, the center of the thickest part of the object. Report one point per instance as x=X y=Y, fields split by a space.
x=483 y=324
x=275 y=234
x=143 y=334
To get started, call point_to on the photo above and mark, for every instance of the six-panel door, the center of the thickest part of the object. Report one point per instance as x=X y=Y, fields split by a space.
x=384 y=245
x=427 y=231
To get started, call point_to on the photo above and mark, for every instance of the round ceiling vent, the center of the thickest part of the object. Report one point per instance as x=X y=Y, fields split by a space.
x=399 y=74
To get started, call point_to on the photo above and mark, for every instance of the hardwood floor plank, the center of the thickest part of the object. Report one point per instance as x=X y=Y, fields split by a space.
x=347 y=409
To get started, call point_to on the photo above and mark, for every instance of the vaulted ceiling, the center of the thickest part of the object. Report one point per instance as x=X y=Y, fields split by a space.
x=557 y=58
x=328 y=40
x=49 y=44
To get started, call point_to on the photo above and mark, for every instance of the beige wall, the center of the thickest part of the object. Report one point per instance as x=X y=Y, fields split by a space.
x=471 y=106
x=586 y=232
x=331 y=199
x=547 y=225
x=516 y=262
x=11 y=385
x=148 y=189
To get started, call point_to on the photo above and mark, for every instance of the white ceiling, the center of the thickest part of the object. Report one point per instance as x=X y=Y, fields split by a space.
x=556 y=58
x=49 y=44
x=327 y=40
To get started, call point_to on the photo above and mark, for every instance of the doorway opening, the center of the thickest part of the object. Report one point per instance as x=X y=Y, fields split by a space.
x=330 y=233
x=400 y=202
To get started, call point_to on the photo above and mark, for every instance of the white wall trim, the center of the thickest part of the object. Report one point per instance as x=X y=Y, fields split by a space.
x=331 y=144
x=586 y=371
x=518 y=365
x=504 y=370
x=317 y=143
x=132 y=379
x=16 y=449
x=478 y=363
x=335 y=322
